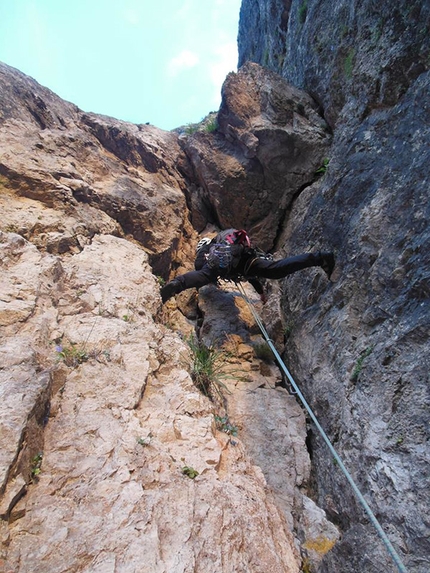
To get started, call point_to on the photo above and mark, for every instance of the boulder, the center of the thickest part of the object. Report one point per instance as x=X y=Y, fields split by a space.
x=270 y=142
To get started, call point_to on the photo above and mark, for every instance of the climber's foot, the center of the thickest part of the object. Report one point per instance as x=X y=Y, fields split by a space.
x=170 y=289
x=327 y=262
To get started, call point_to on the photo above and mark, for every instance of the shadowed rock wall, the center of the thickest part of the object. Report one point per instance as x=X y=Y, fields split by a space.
x=352 y=57
x=360 y=347
x=269 y=143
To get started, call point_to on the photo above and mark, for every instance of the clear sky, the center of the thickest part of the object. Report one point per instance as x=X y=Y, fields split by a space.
x=157 y=61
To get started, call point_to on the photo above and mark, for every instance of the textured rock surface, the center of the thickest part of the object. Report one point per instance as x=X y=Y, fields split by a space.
x=124 y=420
x=351 y=56
x=269 y=420
x=371 y=390
x=97 y=432
x=269 y=144
x=84 y=165
x=360 y=347
x=99 y=415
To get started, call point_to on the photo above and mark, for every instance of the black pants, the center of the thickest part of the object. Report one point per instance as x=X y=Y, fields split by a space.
x=248 y=267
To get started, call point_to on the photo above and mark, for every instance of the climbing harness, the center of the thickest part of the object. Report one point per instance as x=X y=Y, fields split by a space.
x=393 y=554
x=258 y=254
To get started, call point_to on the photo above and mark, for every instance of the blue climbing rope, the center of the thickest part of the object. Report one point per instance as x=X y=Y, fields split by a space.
x=394 y=555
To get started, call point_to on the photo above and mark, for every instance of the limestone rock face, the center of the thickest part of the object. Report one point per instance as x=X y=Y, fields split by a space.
x=110 y=458
x=108 y=430
x=267 y=417
x=75 y=162
x=270 y=142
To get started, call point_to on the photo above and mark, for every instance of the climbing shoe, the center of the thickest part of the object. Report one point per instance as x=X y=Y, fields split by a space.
x=327 y=262
x=170 y=289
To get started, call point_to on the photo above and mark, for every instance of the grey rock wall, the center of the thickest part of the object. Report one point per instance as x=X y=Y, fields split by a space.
x=361 y=55
x=362 y=349
x=360 y=346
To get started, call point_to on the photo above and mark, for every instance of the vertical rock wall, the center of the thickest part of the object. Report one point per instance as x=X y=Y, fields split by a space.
x=360 y=346
x=103 y=427
x=361 y=55
x=111 y=459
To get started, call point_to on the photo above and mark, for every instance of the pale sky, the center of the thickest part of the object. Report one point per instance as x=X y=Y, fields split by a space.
x=142 y=61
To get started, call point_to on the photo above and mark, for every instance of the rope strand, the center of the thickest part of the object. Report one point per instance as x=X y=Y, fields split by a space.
x=393 y=554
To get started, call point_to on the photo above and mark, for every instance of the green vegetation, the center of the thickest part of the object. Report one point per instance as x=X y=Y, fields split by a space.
x=303 y=11
x=191 y=128
x=190 y=472
x=208 y=368
x=208 y=124
x=348 y=65
x=72 y=354
x=321 y=170
x=224 y=425
x=359 y=365
x=36 y=464
x=212 y=125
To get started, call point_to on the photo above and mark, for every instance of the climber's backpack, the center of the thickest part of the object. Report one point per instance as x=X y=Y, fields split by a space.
x=226 y=249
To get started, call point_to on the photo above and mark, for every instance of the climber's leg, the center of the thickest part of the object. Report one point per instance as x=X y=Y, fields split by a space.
x=289 y=265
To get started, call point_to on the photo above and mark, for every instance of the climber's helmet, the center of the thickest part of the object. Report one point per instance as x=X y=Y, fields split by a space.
x=202 y=243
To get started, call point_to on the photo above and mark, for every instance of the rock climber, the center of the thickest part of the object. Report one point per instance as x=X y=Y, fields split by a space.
x=230 y=256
